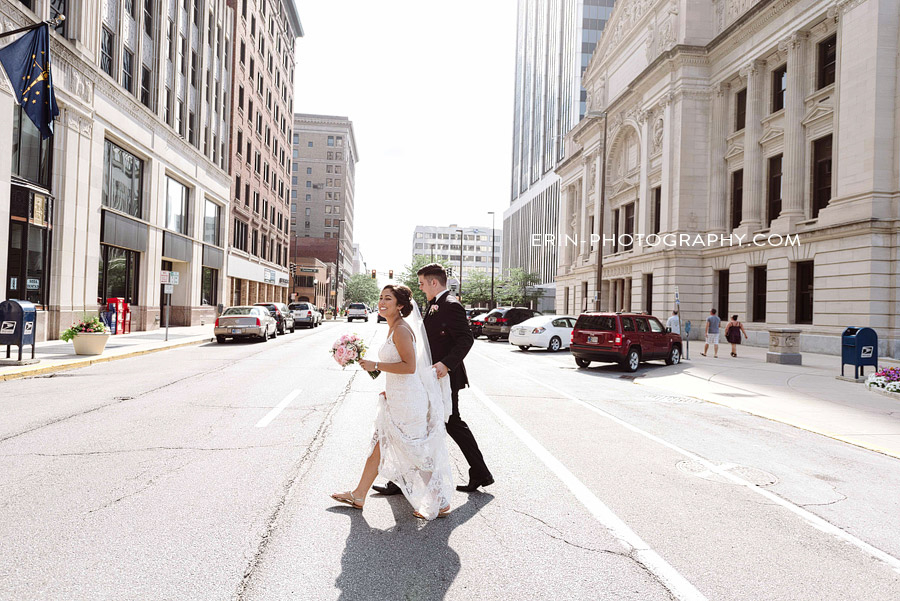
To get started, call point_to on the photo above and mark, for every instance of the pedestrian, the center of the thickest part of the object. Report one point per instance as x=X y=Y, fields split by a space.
x=712 y=334
x=733 y=332
x=672 y=324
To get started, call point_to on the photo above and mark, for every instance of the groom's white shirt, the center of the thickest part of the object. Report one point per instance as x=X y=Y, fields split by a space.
x=440 y=294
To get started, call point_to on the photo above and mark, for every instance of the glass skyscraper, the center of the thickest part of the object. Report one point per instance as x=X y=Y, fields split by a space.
x=554 y=43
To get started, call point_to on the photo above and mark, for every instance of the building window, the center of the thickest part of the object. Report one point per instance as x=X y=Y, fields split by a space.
x=107 y=43
x=177 y=199
x=119 y=274
x=648 y=293
x=657 y=210
x=28 y=254
x=309 y=144
x=628 y=243
x=309 y=171
x=146 y=98
x=212 y=216
x=308 y=197
x=31 y=155
x=821 y=174
x=128 y=70
x=722 y=281
x=779 y=86
x=803 y=311
x=615 y=231
x=209 y=286
x=827 y=62
x=737 y=198
x=148 y=17
x=331 y=140
x=122 y=180
x=774 y=191
x=759 y=282
x=740 y=110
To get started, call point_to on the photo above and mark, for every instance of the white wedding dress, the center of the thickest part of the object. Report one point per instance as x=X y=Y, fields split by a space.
x=409 y=426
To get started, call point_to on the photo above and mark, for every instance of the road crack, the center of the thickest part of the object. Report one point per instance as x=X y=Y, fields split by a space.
x=298 y=471
x=147 y=485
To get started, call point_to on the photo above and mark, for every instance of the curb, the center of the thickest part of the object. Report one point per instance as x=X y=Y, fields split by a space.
x=39 y=371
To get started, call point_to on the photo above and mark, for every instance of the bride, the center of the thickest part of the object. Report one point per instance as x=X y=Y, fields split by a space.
x=409 y=446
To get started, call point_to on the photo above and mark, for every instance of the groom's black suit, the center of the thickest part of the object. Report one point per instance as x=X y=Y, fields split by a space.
x=450 y=339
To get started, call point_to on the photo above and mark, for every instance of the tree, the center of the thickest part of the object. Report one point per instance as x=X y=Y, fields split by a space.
x=361 y=288
x=477 y=288
x=408 y=277
x=514 y=288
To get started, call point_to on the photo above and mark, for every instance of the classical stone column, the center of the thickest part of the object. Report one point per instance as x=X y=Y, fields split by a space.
x=563 y=227
x=584 y=233
x=598 y=182
x=794 y=139
x=718 y=196
x=613 y=292
x=753 y=160
x=626 y=295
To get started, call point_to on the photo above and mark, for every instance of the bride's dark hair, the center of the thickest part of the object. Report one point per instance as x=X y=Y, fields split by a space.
x=403 y=296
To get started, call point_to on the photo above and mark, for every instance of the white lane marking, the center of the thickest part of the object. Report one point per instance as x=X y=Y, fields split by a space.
x=277 y=409
x=814 y=520
x=677 y=584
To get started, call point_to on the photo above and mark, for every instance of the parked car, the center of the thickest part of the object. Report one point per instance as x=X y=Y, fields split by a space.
x=305 y=314
x=245 y=322
x=552 y=332
x=282 y=315
x=357 y=311
x=500 y=320
x=623 y=338
x=476 y=324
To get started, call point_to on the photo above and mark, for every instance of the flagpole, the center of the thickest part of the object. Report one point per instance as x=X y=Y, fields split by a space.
x=55 y=23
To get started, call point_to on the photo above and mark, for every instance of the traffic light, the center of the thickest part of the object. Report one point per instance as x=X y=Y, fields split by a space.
x=450 y=271
x=373 y=274
x=293 y=268
x=391 y=274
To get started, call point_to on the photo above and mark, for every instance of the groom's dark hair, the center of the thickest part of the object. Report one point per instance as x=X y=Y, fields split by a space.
x=436 y=271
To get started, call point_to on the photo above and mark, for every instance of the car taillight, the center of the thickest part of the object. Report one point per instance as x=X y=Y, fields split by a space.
x=502 y=320
x=217 y=322
x=308 y=313
x=258 y=322
x=538 y=331
x=618 y=340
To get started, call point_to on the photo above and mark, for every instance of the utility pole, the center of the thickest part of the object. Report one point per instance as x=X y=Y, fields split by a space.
x=460 y=261
x=491 y=213
x=602 y=209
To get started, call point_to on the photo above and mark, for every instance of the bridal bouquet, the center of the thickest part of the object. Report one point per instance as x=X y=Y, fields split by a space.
x=349 y=349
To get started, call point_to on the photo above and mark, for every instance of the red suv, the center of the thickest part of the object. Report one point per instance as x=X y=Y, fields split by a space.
x=623 y=338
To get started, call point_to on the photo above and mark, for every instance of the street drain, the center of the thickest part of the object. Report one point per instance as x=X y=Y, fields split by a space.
x=752 y=475
x=673 y=399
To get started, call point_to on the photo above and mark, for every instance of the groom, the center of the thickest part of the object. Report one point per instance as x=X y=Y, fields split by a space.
x=450 y=339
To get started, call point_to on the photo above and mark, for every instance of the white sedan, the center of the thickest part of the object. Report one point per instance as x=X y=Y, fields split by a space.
x=552 y=332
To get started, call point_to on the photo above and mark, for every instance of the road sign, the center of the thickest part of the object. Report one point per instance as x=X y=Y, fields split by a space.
x=168 y=277
x=169 y=288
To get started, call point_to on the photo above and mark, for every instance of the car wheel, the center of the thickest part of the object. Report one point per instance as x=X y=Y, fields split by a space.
x=674 y=357
x=220 y=339
x=493 y=338
x=275 y=332
x=582 y=362
x=293 y=329
x=524 y=347
x=555 y=344
x=632 y=360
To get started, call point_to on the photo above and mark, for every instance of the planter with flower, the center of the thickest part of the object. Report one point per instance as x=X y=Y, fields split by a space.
x=89 y=336
x=886 y=381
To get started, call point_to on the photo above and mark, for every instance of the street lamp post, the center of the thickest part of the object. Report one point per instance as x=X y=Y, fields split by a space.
x=460 y=261
x=491 y=213
x=338 y=270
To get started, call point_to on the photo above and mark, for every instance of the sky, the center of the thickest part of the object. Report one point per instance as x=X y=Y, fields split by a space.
x=429 y=88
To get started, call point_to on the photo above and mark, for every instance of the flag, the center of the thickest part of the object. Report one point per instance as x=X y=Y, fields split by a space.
x=27 y=63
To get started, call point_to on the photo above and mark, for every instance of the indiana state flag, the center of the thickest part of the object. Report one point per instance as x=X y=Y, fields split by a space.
x=27 y=63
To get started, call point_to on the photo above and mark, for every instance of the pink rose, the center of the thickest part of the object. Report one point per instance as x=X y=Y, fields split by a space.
x=351 y=354
x=340 y=355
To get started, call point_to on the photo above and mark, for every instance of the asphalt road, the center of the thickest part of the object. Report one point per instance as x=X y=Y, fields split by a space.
x=204 y=473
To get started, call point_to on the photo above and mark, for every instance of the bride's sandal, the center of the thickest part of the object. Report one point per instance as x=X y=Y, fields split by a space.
x=349 y=499
x=441 y=514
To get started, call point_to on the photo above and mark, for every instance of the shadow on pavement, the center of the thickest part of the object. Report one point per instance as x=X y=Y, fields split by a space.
x=410 y=560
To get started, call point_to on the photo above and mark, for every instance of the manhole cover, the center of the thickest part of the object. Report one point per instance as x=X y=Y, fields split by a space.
x=752 y=475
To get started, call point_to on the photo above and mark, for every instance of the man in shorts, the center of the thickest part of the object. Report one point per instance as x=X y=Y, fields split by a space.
x=712 y=334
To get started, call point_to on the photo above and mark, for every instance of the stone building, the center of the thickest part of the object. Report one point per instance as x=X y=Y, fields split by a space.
x=322 y=193
x=442 y=244
x=262 y=109
x=740 y=119
x=134 y=179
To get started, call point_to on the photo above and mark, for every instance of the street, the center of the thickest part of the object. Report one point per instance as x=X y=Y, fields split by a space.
x=204 y=472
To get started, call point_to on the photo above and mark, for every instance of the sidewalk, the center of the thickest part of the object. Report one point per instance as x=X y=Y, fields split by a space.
x=56 y=355
x=807 y=397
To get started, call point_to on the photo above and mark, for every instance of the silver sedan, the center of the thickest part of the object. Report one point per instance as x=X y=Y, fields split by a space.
x=245 y=322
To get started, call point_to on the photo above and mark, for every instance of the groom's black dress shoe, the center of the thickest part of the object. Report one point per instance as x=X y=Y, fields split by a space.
x=390 y=489
x=474 y=483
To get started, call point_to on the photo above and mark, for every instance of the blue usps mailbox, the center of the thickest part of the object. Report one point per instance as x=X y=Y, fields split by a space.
x=859 y=347
x=17 y=324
